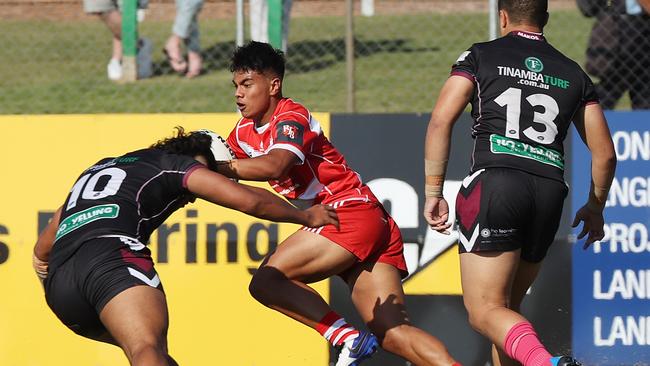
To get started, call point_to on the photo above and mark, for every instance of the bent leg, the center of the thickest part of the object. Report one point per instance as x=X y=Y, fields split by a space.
x=304 y=257
x=526 y=274
x=379 y=298
x=488 y=279
x=137 y=319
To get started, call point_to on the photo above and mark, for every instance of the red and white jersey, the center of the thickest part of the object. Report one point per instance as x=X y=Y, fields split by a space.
x=322 y=174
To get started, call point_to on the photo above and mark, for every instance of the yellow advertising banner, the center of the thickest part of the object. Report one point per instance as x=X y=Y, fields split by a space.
x=204 y=253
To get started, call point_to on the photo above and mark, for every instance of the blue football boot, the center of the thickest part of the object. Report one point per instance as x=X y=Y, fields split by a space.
x=360 y=348
x=564 y=361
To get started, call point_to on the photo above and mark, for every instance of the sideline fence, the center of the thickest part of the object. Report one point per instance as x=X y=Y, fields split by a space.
x=54 y=56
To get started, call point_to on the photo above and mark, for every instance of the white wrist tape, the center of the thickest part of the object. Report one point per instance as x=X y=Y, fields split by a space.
x=40 y=267
x=435 y=177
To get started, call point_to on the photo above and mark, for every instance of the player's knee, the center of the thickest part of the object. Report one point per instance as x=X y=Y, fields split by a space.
x=147 y=353
x=474 y=313
x=396 y=339
x=256 y=288
x=479 y=314
x=475 y=320
x=261 y=285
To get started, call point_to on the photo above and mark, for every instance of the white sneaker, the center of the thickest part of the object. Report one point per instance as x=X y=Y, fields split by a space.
x=355 y=351
x=114 y=69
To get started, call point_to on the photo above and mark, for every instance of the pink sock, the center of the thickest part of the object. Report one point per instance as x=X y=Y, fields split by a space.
x=523 y=345
x=335 y=329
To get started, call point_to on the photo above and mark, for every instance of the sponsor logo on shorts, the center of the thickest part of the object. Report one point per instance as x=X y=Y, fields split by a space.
x=503 y=145
x=81 y=218
x=492 y=235
x=497 y=233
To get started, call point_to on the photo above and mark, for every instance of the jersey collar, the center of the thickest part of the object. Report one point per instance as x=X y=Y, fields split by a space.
x=276 y=111
x=528 y=35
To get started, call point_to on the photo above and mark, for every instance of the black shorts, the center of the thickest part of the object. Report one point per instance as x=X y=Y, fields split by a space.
x=501 y=209
x=78 y=290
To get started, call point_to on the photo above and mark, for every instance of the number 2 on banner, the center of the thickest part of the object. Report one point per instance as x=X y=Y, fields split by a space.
x=90 y=192
x=511 y=99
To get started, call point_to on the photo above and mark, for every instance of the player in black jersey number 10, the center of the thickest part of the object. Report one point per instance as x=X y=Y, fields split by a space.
x=98 y=274
x=524 y=95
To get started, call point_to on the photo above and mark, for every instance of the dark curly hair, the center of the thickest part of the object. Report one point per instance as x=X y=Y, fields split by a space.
x=258 y=56
x=532 y=12
x=190 y=144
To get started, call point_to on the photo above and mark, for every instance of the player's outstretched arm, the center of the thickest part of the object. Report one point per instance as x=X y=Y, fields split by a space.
x=454 y=96
x=257 y=202
x=274 y=165
x=43 y=247
x=591 y=124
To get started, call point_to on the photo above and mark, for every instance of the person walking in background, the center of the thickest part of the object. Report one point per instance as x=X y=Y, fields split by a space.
x=524 y=96
x=278 y=140
x=185 y=31
x=108 y=11
x=618 y=52
x=98 y=274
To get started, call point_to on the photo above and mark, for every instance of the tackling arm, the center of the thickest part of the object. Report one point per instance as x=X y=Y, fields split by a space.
x=274 y=165
x=254 y=201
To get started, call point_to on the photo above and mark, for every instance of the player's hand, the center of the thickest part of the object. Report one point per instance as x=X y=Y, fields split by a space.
x=40 y=266
x=321 y=215
x=593 y=224
x=436 y=212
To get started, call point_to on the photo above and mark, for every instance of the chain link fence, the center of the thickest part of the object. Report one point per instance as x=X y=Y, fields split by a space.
x=54 y=57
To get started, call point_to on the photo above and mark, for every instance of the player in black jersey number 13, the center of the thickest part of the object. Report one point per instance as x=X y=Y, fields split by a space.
x=98 y=274
x=524 y=95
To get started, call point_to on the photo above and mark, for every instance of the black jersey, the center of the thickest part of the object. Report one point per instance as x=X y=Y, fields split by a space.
x=526 y=94
x=128 y=196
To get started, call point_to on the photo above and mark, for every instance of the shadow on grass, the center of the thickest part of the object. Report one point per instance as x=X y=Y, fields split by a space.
x=307 y=56
x=303 y=56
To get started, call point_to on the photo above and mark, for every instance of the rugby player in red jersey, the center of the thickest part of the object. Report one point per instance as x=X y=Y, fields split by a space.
x=279 y=141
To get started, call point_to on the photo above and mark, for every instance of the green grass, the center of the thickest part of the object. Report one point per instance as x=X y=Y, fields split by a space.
x=401 y=63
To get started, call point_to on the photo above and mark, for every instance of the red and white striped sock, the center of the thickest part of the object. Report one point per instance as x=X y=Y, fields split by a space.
x=335 y=329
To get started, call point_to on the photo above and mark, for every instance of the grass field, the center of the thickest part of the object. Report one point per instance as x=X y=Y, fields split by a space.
x=401 y=62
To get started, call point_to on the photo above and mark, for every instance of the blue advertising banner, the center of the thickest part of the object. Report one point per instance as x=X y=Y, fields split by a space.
x=611 y=279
